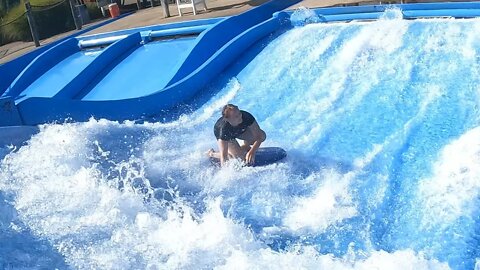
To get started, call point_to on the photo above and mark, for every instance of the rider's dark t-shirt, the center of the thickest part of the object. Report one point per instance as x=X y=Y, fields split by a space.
x=224 y=131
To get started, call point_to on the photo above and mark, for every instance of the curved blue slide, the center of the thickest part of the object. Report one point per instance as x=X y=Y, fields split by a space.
x=130 y=74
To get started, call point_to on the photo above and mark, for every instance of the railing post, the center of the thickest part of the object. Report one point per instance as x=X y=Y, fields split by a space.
x=75 y=14
x=32 y=24
x=166 y=11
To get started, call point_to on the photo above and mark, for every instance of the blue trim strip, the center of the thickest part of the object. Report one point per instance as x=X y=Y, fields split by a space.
x=146 y=35
x=382 y=8
x=407 y=14
x=149 y=28
x=455 y=13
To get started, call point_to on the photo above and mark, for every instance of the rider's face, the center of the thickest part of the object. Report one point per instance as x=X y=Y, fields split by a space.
x=234 y=117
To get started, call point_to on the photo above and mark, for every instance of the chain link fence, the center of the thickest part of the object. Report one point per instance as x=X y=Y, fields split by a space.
x=51 y=18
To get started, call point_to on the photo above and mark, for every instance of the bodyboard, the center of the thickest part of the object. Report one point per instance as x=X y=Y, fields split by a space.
x=264 y=156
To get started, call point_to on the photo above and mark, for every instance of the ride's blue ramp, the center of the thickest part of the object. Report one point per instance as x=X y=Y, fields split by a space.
x=91 y=91
x=55 y=79
x=10 y=70
x=76 y=68
x=142 y=72
x=57 y=55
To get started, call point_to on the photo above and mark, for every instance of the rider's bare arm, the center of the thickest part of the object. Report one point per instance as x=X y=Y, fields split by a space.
x=259 y=136
x=223 y=147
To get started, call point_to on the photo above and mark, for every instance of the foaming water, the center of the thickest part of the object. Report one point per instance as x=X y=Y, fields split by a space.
x=380 y=122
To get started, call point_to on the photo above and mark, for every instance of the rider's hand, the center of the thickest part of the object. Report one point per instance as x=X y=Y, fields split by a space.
x=250 y=157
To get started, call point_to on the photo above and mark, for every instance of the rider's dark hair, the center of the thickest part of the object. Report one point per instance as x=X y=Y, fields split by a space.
x=227 y=108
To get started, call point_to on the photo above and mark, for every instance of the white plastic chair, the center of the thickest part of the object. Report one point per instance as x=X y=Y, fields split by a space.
x=182 y=4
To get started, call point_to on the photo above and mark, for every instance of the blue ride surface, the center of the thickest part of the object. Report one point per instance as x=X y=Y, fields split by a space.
x=145 y=73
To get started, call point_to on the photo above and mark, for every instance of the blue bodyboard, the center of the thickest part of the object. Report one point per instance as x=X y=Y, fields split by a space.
x=264 y=156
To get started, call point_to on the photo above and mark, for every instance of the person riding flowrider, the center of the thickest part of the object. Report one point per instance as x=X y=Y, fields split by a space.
x=237 y=124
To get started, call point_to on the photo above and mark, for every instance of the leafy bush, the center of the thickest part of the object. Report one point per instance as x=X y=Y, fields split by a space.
x=6 y=5
x=50 y=20
x=16 y=27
